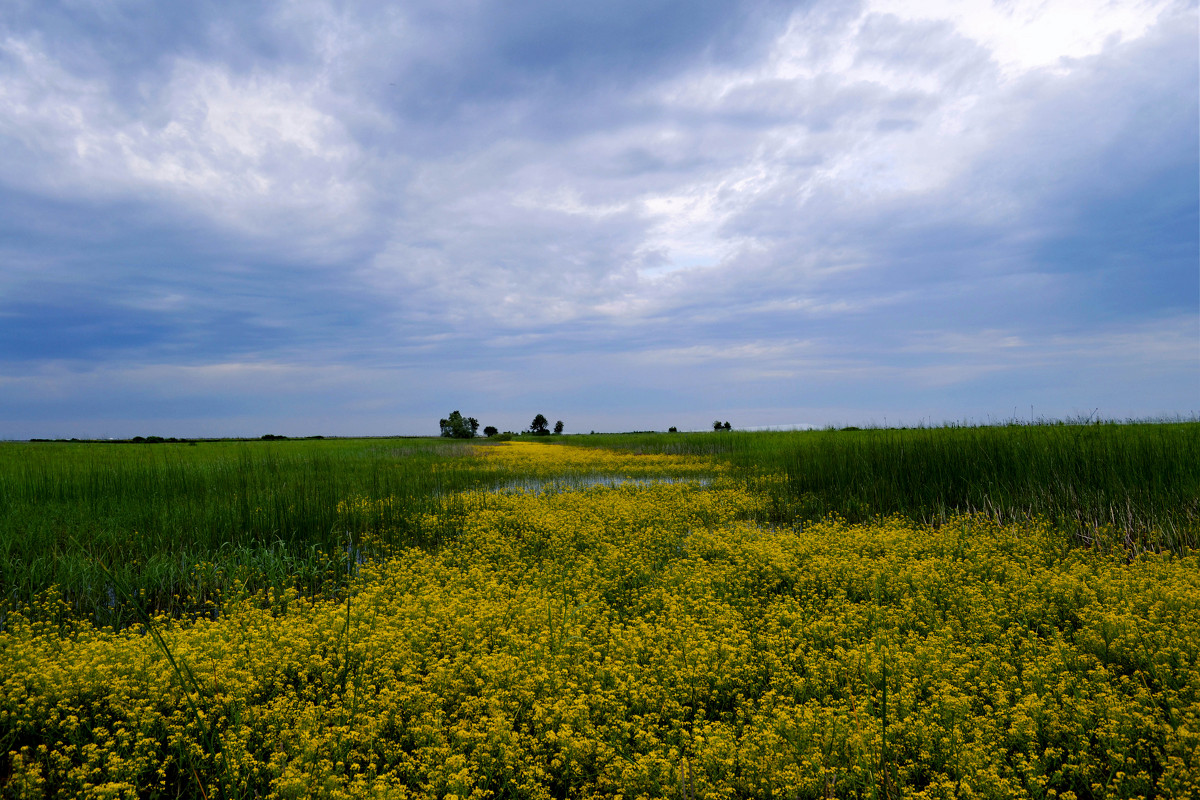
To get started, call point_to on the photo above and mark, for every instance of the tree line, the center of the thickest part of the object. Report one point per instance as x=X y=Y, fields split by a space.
x=456 y=426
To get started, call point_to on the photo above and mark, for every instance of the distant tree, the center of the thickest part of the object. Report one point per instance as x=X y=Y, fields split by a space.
x=717 y=425
x=672 y=429
x=540 y=425
x=490 y=431
x=558 y=426
x=458 y=426
x=727 y=426
x=474 y=423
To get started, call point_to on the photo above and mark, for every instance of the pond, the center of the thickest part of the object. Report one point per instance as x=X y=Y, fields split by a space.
x=560 y=483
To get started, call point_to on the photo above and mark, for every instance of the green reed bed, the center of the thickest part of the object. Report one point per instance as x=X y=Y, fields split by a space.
x=179 y=525
x=1135 y=486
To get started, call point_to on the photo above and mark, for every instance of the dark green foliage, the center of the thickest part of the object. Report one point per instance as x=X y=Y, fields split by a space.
x=264 y=514
x=1133 y=485
x=459 y=427
x=540 y=425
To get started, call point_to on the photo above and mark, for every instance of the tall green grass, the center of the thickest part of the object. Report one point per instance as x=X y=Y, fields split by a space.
x=181 y=525
x=184 y=525
x=1131 y=485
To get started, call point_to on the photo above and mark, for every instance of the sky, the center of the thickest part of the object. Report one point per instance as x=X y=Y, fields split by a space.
x=352 y=218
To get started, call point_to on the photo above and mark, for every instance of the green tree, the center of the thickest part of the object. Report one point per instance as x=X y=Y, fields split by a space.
x=490 y=431
x=458 y=427
x=540 y=425
x=558 y=426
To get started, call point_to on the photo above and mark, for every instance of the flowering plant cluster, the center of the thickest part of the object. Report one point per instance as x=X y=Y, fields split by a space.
x=638 y=640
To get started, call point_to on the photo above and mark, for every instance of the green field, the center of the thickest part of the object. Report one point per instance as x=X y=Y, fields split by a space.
x=1135 y=485
x=266 y=513
x=941 y=613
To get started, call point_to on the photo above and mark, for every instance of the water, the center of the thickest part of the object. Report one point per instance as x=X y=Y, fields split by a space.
x=558 y=484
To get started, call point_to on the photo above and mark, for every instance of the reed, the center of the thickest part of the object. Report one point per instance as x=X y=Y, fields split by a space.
x=185 y=525
x=1131 y=485
x=580 y=637
x=181 y=525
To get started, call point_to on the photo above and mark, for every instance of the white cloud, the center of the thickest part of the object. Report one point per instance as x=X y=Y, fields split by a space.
x=883 y=192
x=1030 y=34
x=248 y=151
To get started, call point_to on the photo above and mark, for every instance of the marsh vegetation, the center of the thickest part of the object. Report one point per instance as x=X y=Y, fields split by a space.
x=693 y=615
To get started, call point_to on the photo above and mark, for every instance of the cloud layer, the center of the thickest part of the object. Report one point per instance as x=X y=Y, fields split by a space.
x=333 y=218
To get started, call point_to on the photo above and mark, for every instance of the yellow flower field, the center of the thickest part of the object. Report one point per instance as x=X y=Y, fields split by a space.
x=639 y=640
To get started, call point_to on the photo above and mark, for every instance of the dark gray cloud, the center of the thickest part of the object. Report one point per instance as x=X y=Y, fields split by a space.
x=350 y=215
x=1088 y=184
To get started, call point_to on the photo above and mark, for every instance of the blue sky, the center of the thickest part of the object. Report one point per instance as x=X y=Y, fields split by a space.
x=340 y=218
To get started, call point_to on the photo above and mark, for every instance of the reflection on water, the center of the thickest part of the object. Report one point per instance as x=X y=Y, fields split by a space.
x=565 y=483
